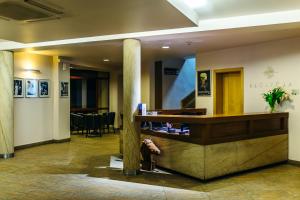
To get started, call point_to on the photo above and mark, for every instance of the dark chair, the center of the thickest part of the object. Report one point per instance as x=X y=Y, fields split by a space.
x=111 y=121
x=77 y=122
x=89 y=124
x=105 y=121
x=72 y=124
x=99 y=124
x=121 y=117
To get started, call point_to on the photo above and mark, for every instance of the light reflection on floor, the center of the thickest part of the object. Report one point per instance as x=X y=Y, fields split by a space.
x=117 y=164
x=88 y=168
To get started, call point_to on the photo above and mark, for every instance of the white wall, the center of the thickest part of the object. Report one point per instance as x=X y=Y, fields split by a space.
x=34 y=117
x=283 y=56
x=61 y=106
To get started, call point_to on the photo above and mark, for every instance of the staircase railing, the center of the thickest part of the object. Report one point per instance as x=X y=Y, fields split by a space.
x=188 y=101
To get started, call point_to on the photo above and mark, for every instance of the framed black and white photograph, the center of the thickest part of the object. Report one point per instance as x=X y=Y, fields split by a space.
x=44 y=88
x=31 y=88
x=18 y=88
x=204 y=83
x=64 y=89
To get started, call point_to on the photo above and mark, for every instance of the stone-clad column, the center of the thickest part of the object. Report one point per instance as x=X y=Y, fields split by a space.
x=6 y=105
x=132 y=97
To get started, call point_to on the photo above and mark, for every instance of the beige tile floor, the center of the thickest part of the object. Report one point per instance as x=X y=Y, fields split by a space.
x=78 y=170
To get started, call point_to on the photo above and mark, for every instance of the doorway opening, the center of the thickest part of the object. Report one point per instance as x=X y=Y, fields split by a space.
x=229 y=91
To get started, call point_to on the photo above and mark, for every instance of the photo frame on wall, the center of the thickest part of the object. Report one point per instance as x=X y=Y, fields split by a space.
x=31 y=86
x=64 y=89
x=44 y=88
x=204 y=83
x=18 y=88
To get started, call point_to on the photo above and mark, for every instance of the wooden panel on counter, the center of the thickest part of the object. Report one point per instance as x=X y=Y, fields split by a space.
x=215 y=129
x=210 y=161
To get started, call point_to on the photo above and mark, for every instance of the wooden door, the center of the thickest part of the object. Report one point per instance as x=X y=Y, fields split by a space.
x=229 y=95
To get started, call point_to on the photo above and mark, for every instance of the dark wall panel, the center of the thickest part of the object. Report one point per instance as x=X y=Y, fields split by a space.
x=76 y=93
x=158 y=85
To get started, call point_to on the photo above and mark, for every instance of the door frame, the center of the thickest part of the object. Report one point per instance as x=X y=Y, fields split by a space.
x=226 y=70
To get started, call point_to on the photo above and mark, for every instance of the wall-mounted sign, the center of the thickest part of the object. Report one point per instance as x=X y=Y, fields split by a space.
x=204 y=83
x=171 y=71
x=270 y=84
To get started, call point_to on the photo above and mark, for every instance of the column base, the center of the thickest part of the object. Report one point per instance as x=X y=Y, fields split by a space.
x=7 y=155
x=131 y=172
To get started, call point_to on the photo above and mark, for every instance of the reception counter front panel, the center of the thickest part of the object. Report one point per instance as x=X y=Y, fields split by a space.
x=219 y=145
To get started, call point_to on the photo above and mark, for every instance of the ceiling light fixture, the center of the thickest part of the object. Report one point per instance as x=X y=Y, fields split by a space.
x=106 y=60
x=33 y=71
x=196 y=3
x=165 y=47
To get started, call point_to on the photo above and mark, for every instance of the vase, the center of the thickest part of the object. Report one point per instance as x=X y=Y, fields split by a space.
x=272 y=109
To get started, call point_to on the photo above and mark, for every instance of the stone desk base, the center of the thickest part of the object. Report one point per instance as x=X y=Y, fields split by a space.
x=210 y=161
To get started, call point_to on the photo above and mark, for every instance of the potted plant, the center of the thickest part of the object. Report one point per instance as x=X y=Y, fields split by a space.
x=276 y=96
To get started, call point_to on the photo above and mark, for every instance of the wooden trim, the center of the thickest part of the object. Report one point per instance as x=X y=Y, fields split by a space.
x=26 y=146
x=97 y=93
x=158 y=71
x=226 y=70
x=62 y=140
x=108 y=95
x=214 y=76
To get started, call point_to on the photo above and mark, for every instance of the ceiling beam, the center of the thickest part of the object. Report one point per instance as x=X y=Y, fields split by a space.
x=185 y=10
x=258 y=20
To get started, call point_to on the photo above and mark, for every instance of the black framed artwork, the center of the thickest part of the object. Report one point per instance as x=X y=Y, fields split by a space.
x=18 y=88
x=204 y=83
x=31 y=88
x=44 y=88
x=64 y=89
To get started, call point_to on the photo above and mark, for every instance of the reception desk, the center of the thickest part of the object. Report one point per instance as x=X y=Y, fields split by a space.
x=213 y=146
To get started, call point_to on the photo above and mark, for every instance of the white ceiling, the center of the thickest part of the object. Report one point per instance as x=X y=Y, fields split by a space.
x=233 y=8
x=90 y=18
x=182 y=45
x=155 y=23
x=85 y=18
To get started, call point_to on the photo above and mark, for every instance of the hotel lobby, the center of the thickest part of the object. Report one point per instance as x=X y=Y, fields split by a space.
x=141 y=99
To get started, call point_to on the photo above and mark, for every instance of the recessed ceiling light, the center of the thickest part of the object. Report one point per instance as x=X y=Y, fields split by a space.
x=106 y=60
x=165 y=47
x=195 y=3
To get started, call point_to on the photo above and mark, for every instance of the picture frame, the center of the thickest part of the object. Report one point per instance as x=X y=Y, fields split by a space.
x=44 y=88
x=31 y=86
x=204 y=83
x=64 y=89
x=18 y=88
